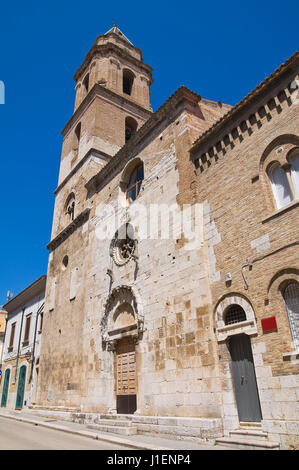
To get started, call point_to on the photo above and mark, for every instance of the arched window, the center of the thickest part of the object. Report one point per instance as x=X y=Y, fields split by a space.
x=78 y=132
x=234 y=314
x=70 y=206
x=135 y=182
x=128 y=79
x=86 y=82
x=291 y=298
x=294 y=162
x=130 y=127
x=280 y=185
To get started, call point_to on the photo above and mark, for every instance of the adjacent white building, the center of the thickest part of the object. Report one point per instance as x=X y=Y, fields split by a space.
x=21 y=348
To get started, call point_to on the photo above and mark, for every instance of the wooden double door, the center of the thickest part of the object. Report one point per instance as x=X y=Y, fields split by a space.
x=126 y=383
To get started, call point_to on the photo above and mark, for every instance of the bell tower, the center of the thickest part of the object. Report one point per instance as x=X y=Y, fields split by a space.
x=117 y=65
x=112 y=101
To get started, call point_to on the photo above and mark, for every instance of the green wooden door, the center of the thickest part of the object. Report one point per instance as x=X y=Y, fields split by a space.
x=21 y=387
x=5 y=388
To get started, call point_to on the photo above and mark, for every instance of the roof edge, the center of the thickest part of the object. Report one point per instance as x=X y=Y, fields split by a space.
x=27 y=293
x=245 y=101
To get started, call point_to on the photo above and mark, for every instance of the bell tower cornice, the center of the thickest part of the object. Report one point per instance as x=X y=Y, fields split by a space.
x=105 y=50
x=99 y=90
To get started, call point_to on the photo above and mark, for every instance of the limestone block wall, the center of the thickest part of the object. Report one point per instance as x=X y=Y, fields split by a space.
x=177 y=365
x=177 y=373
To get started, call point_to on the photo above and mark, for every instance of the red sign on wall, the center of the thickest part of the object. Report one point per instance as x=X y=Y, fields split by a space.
x=269 y=324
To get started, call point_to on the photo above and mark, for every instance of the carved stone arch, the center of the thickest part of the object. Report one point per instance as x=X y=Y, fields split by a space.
x=122 y=317
x=247 y=326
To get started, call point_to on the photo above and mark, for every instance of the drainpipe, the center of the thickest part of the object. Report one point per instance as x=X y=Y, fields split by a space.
x=18 y=353
x=34 y=341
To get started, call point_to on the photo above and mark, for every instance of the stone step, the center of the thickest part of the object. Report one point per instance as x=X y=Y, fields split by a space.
x=114 y=422
x=120 y=417
x=250 y=424
x=247 y=444
x=47 y=409
x=124 y=431
x=249 y=433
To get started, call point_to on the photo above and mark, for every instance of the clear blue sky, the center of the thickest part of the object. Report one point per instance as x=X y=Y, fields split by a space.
x=221 y=50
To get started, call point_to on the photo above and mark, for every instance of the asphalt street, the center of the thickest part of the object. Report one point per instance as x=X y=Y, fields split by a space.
x=15 y=435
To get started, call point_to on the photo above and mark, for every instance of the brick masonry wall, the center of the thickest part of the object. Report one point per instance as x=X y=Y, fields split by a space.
x=242 y=226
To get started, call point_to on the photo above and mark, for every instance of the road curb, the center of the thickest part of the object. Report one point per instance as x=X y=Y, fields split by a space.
x=90 y=434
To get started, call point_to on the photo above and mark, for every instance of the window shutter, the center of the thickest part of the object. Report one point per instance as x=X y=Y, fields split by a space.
x=280 y=187
x=295 y=174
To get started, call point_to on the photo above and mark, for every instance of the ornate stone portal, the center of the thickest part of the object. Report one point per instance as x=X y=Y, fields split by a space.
x=122 y=317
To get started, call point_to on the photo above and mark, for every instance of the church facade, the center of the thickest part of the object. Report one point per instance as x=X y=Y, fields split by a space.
x=172 y=284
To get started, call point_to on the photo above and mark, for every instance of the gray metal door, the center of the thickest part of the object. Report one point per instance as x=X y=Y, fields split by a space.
x=244 y=379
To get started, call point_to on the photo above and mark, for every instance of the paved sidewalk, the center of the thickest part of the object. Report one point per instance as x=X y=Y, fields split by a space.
x=138 y=441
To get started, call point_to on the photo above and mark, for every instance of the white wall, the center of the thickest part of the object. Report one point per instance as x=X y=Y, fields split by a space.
x=32 y=306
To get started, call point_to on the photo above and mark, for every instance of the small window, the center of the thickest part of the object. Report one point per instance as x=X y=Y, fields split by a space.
x=291 y=298
x=27 y=329
x=65 y=262
x=128 y=79
x=135 y=182
x=41 y=323
x=70 y=206
x=86 y=83
x=78 y=132
x=12 y=336
x=131 y=127
x=235 y=314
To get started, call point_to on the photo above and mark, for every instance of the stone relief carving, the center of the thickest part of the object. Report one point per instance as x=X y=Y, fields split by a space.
x=122 y=317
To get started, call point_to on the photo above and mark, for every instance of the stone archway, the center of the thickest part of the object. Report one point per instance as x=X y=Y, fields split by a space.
x=122 y=328
x=248 y=326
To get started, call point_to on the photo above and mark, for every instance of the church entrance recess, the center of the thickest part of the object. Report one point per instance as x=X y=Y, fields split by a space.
x=126 y=383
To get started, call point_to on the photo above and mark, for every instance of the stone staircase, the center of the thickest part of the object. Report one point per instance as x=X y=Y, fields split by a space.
x=115 y=424
x=249 y=436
